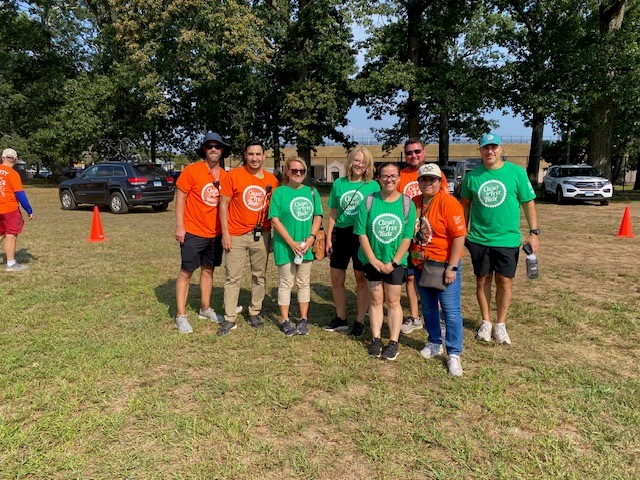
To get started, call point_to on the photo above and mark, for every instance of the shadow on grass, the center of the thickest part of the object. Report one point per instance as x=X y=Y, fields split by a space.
x=23 y=256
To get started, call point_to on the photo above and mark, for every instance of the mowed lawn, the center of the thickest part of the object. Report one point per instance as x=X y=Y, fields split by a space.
x=95 y=382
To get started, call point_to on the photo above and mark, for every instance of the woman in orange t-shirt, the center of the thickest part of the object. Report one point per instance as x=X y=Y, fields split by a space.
x=439 y=245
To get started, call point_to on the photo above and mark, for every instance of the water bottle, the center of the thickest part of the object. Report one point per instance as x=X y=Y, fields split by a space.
x=532 y=262
x=298 y=259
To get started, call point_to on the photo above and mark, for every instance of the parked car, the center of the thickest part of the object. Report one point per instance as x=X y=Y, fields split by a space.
x=120 y=185
x=452 y=178
x=576 y=182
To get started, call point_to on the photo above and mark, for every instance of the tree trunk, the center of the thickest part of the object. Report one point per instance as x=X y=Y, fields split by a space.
x=599 y=151
x=535 y=151
x=636 y=185
x=154 y=145
x=443 y=140
x=304 y=152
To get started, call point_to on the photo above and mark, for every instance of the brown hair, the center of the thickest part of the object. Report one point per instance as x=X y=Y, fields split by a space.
x=368 y=159
x=287 y=164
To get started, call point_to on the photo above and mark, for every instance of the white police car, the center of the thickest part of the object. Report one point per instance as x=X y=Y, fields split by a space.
x=576 y=182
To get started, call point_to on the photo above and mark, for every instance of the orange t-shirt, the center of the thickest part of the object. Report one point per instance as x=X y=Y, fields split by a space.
x=250 y=198
x=203 y=195
x=408 y=183
x=440 y=224
x=9 y=184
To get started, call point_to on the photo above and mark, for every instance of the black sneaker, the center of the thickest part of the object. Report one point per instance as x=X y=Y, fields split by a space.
x=390 y=352
x=375 y=348
x=357 y=330
x=288 y=329
x=225 y=328
x=337 y=325
x=255 y=321
x=303 y=327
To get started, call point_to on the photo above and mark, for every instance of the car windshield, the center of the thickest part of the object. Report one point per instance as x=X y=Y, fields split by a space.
x=149 y=169
x=579 y=172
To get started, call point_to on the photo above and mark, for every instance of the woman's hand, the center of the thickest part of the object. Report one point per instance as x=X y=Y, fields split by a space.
x=449 y=276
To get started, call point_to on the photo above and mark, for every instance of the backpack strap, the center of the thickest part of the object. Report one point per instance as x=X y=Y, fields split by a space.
x=406 y=206
x=369 y=201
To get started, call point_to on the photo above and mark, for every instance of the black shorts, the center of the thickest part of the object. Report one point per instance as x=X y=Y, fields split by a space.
x=345 y=247
x=397 y=277
x=200 y=252
x=502 y=260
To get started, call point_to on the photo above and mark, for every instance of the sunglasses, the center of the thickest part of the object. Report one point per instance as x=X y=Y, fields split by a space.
x=209 y=146
x=408 y=153
x=297 y=171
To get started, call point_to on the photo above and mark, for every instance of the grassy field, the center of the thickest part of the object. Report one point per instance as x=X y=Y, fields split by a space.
x=95 y=382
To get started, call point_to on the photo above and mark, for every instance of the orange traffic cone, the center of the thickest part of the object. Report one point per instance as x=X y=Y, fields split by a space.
x=97 y=235
x=625 y=226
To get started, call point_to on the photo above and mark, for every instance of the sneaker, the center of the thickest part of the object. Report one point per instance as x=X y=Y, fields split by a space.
x=210 y=314
x=484 y=332
x=500 y=334
x=288 y=329
x=226 y=327
x=390 y=352
x=431 y=350
x=410 y=324
x=455 y=369
x=255 y=321
x=303 y=327
x=17 y=267
x=357 y=330
x=239 y=309
x=375 y=349
x=337 y=325
x=182 y=324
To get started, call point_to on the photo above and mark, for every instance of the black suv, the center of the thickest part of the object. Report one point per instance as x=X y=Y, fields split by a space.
x=120 y=185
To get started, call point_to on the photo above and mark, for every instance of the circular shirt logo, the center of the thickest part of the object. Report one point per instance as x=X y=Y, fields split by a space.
x=386 y=227
x=350 y=202
x=253 y=198
x=425 y=232
x=492 y=193
x=412 y=189
x=210 y=195
x=301 y=208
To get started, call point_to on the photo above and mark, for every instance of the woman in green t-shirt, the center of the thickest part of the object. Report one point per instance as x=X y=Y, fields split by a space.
x=296 y=215
x=385 y=227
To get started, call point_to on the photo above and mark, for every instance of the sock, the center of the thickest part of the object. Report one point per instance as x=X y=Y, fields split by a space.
x=11 y=263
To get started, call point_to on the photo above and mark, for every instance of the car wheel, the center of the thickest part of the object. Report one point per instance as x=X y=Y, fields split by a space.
x=67 y=201
x=604 y=202
x=559 y=196
x=117 y=203
x=160 y=208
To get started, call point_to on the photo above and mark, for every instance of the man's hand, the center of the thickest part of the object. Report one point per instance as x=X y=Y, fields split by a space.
x=226 y=242
x=180 y=233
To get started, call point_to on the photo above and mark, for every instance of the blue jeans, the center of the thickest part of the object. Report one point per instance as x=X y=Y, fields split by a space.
x=449 y=301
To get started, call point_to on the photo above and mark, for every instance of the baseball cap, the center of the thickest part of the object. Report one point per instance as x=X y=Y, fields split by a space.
x=430 y=170
x=490 y=139
x=9 y=153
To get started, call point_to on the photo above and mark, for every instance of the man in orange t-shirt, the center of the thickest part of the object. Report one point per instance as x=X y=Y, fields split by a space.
x=198 y=227
x=11 y=195
x=246 y=232
x=415 y=154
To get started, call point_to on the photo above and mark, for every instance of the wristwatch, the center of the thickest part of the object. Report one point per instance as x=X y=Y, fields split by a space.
x=535 y=231
x=394 y=265
x=453 y=268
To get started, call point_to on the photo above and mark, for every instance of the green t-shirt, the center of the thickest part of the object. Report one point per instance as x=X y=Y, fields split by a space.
x=295 y=208
x=385 y=227
x=347 y=196
x=495 y=197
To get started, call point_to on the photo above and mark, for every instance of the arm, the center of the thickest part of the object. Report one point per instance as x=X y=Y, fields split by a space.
x=277 y=224
x=456 y=254
x=24 y=202
x=532 y=219
x=368 y=252
x=223 y=213
x=397 y=258
x=466 y=205
x=181 y=199
x=317 y=222
x=333 y=213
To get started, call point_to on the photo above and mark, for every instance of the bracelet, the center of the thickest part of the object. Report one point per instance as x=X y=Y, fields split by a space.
x=313 y=235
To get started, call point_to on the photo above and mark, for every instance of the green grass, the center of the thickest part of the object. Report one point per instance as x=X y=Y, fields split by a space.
x=96 y=383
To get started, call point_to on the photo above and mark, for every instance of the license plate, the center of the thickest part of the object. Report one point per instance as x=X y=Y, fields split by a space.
x=589 y=194
x=158 y=183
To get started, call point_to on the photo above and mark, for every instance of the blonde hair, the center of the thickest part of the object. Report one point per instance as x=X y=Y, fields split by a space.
x=367 y=176
x=287 y=165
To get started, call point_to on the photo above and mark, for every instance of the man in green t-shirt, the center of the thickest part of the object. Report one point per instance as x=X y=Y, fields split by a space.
x=491 y=196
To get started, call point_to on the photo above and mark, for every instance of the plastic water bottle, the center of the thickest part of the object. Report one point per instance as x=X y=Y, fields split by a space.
x=298 y=259
x=532 y=262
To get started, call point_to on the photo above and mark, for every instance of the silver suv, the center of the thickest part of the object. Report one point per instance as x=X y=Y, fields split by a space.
x=576 y=182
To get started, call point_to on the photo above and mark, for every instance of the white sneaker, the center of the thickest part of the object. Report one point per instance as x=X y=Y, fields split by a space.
x=484 y=332
x=183 y=325
x=239 y=309
x=210 y=314
x=455 y=369
x=431 y=350
x=410 y=324
x=500 y=334
x=17 y=267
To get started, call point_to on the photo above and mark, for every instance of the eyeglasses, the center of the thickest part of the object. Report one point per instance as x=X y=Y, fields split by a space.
x=297 y=171
x=209 y=146
x=428 y=180
x=386 y=178
x=408 y=153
